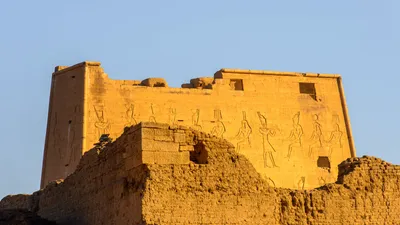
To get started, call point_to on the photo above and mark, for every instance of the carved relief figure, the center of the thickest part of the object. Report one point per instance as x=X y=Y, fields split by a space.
x=301 y=183
x=232 y=85
x=152 y=117
x=268 y=149
x=335 y=138
x=326 y=178
x=269 y=181
x=295 y=134
x=172 y=116
x=196 y=119
x=102 y=125
x=243 y=134
x=316 y=137
x=219 y=128
x=130 y=115
x=322 y=181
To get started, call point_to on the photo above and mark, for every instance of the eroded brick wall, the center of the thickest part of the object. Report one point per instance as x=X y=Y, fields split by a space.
x=157 y=174
x=228 y=190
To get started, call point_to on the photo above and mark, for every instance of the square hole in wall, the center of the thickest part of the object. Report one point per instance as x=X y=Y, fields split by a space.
x=309 y=89
x=324 y=162
x=236 y=84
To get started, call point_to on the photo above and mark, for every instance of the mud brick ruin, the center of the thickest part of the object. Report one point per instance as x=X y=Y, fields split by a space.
x=242 y=147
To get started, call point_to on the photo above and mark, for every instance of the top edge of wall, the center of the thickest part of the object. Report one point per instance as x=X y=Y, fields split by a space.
x=63 y=69
x=278 y=73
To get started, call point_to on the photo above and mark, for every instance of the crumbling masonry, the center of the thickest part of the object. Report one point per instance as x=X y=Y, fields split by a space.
x=162 y=174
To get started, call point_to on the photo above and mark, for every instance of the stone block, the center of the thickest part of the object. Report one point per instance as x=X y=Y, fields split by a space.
x=162 y=146
x=163 y=135
x=155 y=157
x=148 y=133
x=183 y=148
x=132 y=149
x=154 y=82
x=154 y=125
x=179 y=137
x=132 y=162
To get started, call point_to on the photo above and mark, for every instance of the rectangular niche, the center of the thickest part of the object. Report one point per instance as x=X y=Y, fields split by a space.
x=236 y=84
x=308 y=89
x=324 y=162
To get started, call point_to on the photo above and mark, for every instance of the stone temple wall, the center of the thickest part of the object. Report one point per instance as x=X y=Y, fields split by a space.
x=161 y=174
x=291 y=126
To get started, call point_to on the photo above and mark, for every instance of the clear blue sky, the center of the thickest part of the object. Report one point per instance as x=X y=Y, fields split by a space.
x=179 y=40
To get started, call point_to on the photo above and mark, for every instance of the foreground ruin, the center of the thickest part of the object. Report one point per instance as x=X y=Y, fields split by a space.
x=162 y=174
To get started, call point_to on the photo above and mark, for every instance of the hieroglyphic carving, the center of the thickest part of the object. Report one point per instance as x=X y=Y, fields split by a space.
x=57 y=138
x=322 y=180
x=102 y=125
x=269 y=181
x=316 y=137
x=196 y=119
x=243 y=134
x=325 y=178
x=268 y=149
x=72 y=145
x=335 y=138
x=219 y=128
x=172 y=116
x=130 y=115
x=152 y=117
x=295 y=134
x=301 y=183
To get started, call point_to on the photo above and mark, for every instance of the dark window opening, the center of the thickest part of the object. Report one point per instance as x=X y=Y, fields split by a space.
x=309 y=89
x=73 y=77
x=236 y=84
x=323 y=162
x=200 y=154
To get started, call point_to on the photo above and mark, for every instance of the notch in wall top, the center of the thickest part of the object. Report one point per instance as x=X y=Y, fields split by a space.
x=154 y=82
x=62 y=69
x=58 y=68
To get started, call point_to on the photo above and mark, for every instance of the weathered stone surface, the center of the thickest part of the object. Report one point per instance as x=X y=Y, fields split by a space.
x=160 y=145
x=221 y=188
x=186 y=148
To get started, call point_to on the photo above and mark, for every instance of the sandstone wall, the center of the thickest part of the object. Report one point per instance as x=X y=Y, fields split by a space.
x=64 y=136
x=291 y=126
x=160 y=174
